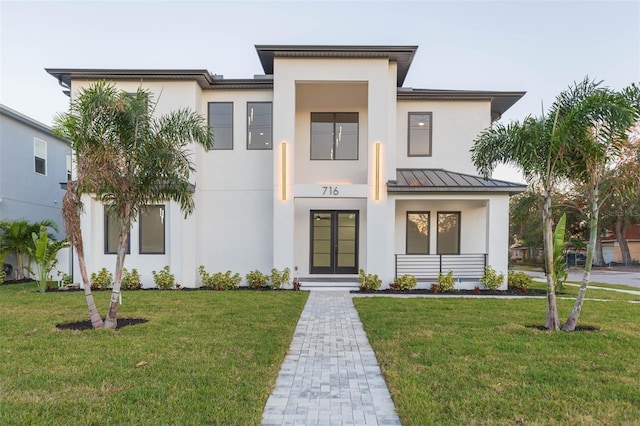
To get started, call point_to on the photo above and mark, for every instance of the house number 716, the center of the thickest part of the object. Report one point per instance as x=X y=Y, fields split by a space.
x=330 y=190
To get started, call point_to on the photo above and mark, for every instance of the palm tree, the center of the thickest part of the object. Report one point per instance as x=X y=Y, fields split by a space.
x=15 y=237
x=535 y=147
x=598 y=119
x=128 y=158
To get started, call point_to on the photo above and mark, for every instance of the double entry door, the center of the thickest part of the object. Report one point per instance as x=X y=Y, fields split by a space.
x=334 y=242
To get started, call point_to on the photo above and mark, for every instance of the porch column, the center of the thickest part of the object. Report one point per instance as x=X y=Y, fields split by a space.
x=498 y=234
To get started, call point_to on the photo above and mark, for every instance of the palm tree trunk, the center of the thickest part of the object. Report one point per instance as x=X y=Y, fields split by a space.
x=552 y=322
x=124 y=223
x=570 y=325
x=71 y=210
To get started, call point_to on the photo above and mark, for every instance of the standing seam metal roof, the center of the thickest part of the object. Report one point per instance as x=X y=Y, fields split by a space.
x=440 y=180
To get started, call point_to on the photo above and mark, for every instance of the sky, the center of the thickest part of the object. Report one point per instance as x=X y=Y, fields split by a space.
x=540 y=47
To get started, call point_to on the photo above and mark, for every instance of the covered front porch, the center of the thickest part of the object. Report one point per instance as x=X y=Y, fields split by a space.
x=446 y=221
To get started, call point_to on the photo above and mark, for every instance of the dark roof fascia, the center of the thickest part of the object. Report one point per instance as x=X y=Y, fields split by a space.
x=500 y=101
x=192 y=187
x=65 y=75
x=402 y=55
x=498 y=186
x=28 y=121
x=202 y=77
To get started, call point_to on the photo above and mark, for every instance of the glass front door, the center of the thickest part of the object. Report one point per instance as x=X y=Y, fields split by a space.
x=334 y=242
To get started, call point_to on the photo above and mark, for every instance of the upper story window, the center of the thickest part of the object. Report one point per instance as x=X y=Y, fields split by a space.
x=418 y=232
x=152 y=230
x=334 y=135
x=419 y=141
x=259 y=125
x=40 y=156
x=221 y=119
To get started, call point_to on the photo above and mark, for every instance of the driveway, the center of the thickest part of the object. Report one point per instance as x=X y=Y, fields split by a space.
x=627 y=276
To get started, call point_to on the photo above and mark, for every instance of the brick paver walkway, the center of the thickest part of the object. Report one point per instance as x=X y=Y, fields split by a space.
x=330 y=376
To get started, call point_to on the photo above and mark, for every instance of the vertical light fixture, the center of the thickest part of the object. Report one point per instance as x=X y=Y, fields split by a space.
x=283 y=173
x=377 y=184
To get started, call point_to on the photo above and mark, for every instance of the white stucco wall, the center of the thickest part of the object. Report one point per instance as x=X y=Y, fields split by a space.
x=455 y=126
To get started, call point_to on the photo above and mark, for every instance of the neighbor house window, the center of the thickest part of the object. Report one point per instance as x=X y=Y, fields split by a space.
x=40 y=156
x=221 y=120
x=111 y=233
x=259 y=125
x=69 y=167
x=152 y=230
x=448 y=232
x=334 y=135
x=419 y=134
x=418 y=232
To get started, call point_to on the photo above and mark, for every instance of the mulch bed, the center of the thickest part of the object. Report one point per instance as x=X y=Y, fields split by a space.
x=86 y=324
x=426 y=291
x=578 y=327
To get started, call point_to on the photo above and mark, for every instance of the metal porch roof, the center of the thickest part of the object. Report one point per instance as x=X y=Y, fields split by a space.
x=440 y=180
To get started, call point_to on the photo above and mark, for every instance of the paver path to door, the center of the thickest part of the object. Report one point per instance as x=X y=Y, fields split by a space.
x=330 y=375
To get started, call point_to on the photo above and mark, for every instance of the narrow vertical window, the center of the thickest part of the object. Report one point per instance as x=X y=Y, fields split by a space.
x=40 y=156
x=418 y=232
x=221 y=120
x=419 y=140
x=152 y=230
x=112 y=233
x=448 y=232
x=259 y=125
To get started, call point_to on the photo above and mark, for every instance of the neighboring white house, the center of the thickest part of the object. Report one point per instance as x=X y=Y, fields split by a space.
x=325 y=165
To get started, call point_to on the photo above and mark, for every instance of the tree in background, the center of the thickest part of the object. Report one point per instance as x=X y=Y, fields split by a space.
x=15 y=237
x=128 y=158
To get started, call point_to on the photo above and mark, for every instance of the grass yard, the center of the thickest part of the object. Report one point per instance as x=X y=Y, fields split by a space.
x=473 y=361
x=211 y=357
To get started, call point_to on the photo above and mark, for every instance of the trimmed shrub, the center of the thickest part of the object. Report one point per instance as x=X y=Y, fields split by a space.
x=519 y=280
x=130 y=280
x=446 y=282
x=369 y=281
x=101 y=280
x=219 y=280
x=256 y=279
x=406 y=282
x=280 y=278
x=164 y=279
x=491 y=279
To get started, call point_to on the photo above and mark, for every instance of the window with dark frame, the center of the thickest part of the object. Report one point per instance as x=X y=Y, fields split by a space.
x=420 y=132
x=111 y=233
x=334 y=135
x=448 y=233
x=221 y=120
x=259 y=125
x=40 y=156
x=152 y=230
x=418 y=232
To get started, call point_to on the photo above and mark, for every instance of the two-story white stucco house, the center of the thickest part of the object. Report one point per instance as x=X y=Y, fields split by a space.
x=326 y=164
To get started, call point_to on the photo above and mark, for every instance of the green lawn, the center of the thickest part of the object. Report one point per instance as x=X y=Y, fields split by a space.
x=212 y=357
x=470 y=361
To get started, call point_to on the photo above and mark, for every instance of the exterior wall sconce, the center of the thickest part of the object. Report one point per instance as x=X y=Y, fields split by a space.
x=283 y=173
x=377 y=183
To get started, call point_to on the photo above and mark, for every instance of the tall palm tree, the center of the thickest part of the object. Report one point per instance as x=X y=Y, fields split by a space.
x=128 y=158
x=597 y=120
x=534 y=146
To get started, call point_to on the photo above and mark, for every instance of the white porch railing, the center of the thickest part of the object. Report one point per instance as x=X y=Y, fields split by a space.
x=428 y=266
